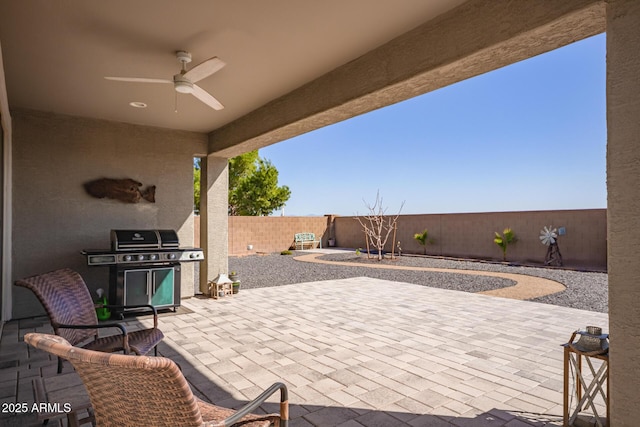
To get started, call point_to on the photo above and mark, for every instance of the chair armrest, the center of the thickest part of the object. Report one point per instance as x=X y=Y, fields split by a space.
x=101 y=326
x=149 y=306
x=125 y=337
x=251 y=406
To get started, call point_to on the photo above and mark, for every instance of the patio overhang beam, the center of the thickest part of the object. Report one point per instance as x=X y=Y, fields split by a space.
x=472 y=39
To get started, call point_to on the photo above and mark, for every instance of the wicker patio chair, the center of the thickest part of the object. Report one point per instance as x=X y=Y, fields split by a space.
x=72 y=313
x=128 y=390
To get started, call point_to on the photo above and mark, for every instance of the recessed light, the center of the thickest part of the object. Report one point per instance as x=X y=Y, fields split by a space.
x=138 y=104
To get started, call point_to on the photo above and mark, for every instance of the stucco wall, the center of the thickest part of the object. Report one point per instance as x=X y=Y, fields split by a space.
x=470 y=235
x=54 y=218
x=623 y=189
x=1 y=216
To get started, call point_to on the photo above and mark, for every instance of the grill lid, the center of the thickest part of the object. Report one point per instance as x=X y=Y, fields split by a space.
x=168 y=239
x=131 y=240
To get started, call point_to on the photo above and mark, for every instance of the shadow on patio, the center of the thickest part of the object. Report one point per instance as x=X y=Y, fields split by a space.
x=38 y=363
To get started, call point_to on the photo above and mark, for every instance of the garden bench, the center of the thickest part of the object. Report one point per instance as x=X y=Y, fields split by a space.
x=306 y=238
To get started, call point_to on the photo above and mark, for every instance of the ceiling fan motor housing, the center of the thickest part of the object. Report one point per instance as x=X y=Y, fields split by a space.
x=183 y=56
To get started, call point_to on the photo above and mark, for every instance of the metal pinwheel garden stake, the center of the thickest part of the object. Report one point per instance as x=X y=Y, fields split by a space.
x=549 y=238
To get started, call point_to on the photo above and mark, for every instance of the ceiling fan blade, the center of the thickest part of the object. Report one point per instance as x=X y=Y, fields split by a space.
x=206 y=97
x=204 y=69
x=138 y=80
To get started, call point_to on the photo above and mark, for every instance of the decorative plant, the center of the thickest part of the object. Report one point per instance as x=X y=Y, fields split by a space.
x=102 y=312
x=377 y=226
x=358 y=251
x=285 y=252
x=422 y=238
x=508 y=237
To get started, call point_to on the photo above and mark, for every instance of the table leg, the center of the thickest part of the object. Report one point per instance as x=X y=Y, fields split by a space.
x=565 y=422
x=579 y=385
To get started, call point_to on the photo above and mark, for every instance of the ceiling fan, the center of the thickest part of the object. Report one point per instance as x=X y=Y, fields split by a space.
x=184 y=81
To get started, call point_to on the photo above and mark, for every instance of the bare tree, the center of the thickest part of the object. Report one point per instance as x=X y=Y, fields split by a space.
x=376 y=225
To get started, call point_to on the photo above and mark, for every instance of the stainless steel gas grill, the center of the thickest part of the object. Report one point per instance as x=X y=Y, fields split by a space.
x=144 y=266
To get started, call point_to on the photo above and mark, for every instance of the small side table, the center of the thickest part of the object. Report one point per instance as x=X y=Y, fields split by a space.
x=586 y=392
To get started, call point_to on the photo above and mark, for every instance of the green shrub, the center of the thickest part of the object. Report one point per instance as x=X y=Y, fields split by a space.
x=286 y=252
x=422 y=239
x=508 y=237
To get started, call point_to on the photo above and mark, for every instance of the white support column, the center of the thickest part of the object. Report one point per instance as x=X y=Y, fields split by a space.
x=623 y=211
x=214 y=224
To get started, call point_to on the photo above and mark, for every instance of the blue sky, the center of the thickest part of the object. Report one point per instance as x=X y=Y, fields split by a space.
x=530 y=136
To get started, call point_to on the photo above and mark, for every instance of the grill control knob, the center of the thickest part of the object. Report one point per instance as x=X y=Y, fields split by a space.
x=171 y=256
x=140 y=257
x=127 y=257
x=153 y=257
x=192 y=255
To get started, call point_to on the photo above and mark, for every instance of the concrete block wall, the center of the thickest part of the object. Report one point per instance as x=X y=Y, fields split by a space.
x=269 y=234
x=464 y=235
x=470 y=235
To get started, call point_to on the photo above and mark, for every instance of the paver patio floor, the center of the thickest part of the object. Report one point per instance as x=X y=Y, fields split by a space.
x=362 y=352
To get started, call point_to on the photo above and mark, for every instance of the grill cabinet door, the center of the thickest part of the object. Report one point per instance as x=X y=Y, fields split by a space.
x=136 y=287
x=162 y=286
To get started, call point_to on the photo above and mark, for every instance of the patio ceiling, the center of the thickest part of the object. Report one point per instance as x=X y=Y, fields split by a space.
x=57 y=53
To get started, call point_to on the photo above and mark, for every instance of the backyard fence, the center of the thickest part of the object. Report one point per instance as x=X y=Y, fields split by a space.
x=464 y=235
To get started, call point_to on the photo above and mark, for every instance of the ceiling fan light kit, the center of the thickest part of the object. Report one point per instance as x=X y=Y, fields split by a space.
x=183 y=82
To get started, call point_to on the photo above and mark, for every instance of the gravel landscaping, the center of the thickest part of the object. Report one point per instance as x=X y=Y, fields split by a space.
x=585 y=290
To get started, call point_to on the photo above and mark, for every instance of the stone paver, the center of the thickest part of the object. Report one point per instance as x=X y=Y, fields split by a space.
x=361 y=352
